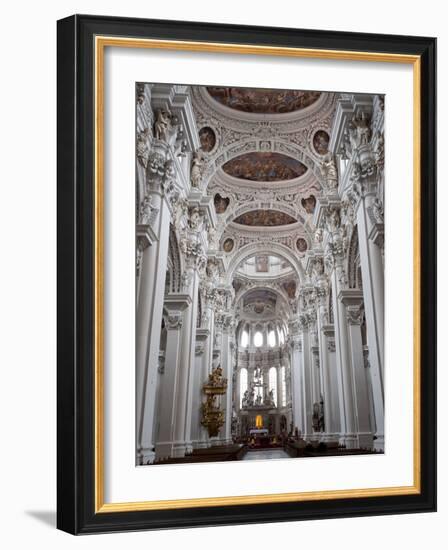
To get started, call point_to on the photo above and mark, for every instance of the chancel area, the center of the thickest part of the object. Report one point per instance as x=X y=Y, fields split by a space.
x=259 y=273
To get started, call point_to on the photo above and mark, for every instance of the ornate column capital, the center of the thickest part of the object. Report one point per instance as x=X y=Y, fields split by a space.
x=199 y=349
x=331 y=345
x=354 y=315
x=193 y=252
x=219 y=321
x=174 y=306
x=174 y=320
x=228 y=324
x=353 y=300
x=296 y=344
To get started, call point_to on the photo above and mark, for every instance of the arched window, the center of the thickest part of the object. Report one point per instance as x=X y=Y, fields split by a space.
x=244 y=339
x=271 y=339
x=243 y=384
x=283 y=375
x=258 y=339
x=273 y=383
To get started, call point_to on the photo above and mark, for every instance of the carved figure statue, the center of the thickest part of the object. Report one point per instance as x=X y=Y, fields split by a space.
x=215 y=377
x=333 y=220
x=195 y=220
x=251 y=397
x=196 y=164
x=213 y=240
x=361 y=124
x=212 y=270
x=142 y=147
x=318 y=235
x=329 y=171
x=169 y=170
x=318 y=267
x=146 y=210
x=162 y=125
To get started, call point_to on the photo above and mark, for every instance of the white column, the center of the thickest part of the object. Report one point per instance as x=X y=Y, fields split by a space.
x=297 y=383
x=208 y=324
x=216 y=361
x=315 y=378
x=352 y=299
x=227 y=369
x=202 y=336
x=307 y=401
x=373 y=291
x=330 y=380
x=153 y=264
x=331 y=412
x=175 y=306
x=344 y=367
x=193 y=261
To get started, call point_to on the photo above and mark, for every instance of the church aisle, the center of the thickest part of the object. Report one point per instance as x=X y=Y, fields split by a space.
x=265 y=454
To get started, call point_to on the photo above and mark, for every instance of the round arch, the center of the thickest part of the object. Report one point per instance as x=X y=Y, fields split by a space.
x=271 y=248
x=262 y=286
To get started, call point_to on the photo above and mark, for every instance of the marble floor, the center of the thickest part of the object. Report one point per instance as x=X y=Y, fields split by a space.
x=266 y=454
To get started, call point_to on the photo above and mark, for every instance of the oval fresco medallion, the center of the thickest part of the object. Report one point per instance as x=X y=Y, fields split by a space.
x=228 y=245
x=263 y=100
x=264 y=218
x=264 y=167
x=320 y=142
x=207 y=137
x=301 y=245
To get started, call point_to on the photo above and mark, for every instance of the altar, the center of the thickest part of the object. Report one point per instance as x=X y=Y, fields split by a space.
x=259 y=437
x=258 y=432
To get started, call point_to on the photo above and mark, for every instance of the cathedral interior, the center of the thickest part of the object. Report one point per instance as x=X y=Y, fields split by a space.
x=259 y=273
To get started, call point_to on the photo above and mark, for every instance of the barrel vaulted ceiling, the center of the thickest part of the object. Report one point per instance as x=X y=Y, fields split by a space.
x=262 y=151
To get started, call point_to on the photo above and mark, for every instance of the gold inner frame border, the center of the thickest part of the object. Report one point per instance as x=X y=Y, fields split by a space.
x=100 y=43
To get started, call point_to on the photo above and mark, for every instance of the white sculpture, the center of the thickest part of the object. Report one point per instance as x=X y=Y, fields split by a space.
x=329 y=171
x=196 y=164
x=162 y=125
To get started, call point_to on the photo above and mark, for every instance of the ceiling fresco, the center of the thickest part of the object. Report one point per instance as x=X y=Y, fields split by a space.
x=264 y=166
x=221 y=203
x=263 y=100
x=290 y=288
x=321 y=140
x=301 y=245
x=309 y=204
x=261 y=296
x=228 y=245
x=207 y=138
x=265 y=218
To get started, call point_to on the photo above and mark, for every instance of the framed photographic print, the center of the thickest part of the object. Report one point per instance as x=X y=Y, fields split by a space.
x=246 y=274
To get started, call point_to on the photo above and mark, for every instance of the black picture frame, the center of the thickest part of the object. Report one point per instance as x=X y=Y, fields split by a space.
x=76 y=270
